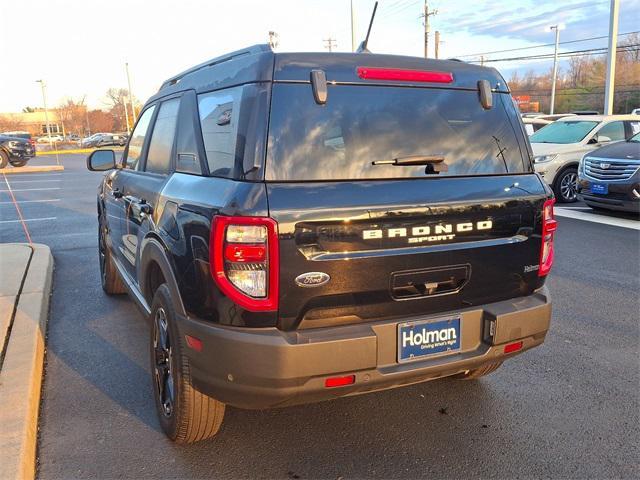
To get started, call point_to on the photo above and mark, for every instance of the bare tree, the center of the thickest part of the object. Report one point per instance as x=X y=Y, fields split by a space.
x=73 y=113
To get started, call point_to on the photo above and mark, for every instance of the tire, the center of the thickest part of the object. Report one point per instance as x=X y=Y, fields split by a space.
x=4 y=159
x=19 y=163
x=110 y=279
x=479 y=372
x=185 y=414
x=565 y=186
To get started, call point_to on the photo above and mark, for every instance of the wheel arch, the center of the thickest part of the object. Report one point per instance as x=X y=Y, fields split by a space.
x=572 y=164
x=155 y=269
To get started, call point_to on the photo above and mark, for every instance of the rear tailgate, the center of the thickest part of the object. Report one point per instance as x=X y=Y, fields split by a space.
x=405 y=238
x=396 y=248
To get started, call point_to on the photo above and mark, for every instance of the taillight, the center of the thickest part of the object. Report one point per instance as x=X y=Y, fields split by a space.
x=243 y=254
x=402 y=75
x=549 y=226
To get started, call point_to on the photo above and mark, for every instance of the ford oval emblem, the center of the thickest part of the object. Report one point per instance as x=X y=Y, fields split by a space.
x=312 y=279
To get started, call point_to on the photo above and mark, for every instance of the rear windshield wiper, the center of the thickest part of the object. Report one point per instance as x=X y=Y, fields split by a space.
x=411 y=160
x=433 y=163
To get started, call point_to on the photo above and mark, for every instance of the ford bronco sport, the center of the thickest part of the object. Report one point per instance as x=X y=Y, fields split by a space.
x=306 y=226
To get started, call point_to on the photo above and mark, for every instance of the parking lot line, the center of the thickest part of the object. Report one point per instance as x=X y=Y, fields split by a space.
x=30 y=189
x=35 y=181
x=19 y=212
x=28 y=220
x=31 y=201
x=597 y=218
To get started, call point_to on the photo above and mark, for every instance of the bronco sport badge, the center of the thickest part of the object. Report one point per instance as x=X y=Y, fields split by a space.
x=426 y=233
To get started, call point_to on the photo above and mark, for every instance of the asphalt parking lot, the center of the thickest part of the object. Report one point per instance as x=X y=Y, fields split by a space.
x=569 y=409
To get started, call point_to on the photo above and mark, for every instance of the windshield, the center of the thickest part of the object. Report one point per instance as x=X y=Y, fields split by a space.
x=563 y=131
x=360 y=125
x=635 y=138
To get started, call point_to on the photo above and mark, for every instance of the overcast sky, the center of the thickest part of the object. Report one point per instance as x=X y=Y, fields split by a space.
x=80 y=46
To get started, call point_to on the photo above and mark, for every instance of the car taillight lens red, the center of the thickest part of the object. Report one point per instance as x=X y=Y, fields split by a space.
x=401 y=75
x=244 y=259
x=549 y=226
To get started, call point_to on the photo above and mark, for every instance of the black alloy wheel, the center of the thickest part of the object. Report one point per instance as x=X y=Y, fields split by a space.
x=163 y=363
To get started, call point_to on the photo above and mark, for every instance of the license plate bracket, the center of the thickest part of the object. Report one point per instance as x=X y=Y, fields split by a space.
x=599 y=188
x=429 y=338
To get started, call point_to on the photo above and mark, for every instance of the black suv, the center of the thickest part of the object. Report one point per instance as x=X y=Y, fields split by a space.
x=305 y=226
x=15 y=150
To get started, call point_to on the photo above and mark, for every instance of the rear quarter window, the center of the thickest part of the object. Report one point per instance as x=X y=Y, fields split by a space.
x=362 y=124
x=219 y=122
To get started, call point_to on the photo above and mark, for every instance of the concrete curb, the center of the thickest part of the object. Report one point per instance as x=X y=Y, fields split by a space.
x=22 y=365
x=34 y=169
x=73 y=150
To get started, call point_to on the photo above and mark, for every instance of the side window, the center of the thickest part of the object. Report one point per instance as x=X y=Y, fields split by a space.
x=635 y=127
x=613 y=130
x=137 y=140
x=164 y=131
x=219 y=113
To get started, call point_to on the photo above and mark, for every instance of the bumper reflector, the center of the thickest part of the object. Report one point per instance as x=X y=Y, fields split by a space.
x=513 y=347
x=194 y=343
x=339 y=381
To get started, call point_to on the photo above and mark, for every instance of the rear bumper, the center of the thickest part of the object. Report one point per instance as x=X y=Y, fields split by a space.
x=263 y=368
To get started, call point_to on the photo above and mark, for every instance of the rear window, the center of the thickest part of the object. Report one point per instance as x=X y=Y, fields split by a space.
x=359 y=125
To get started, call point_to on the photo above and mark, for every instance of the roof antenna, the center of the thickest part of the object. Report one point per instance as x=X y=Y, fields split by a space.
x=363 y=46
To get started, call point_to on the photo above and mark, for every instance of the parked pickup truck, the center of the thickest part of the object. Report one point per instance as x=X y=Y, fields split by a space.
x=307 y=226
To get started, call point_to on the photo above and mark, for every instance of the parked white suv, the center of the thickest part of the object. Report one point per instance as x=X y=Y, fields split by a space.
x=558 y=147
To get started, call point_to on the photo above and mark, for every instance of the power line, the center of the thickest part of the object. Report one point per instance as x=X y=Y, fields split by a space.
x=543 y=45
x=574 y=53
x=400 y=10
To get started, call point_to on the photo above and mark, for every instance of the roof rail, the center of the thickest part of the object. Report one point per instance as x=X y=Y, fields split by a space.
x=260 y=48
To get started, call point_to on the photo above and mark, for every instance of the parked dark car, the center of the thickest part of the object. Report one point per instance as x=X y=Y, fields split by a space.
x=306 y=226
x=15 y=151
x=610 y=176
x=104 y=140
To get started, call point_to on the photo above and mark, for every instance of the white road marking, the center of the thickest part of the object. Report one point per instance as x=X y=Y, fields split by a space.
x=34 y=181
x=29 y=220
x=31 y=201
x=30 y=189
x=596 y=218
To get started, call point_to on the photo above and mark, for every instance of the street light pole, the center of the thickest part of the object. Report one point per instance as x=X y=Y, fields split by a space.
x=46 y=111
x=611 y=58
x=555 y=69
x=133 y=110
x=353 y=34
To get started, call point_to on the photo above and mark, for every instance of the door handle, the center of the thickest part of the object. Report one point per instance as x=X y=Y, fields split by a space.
x=116 y=193
x=138 y=206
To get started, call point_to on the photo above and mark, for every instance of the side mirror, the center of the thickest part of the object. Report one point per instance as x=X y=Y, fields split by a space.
x=101 y=160
x=602 y=139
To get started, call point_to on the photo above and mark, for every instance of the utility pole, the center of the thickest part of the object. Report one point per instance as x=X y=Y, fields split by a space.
x=46 y=111
x=437 y=44
x=353 y=33
x=133 y=110
x=330 y=43
x=126 y=114
x=555 y=69
x=426 y=16
x=610 y=80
